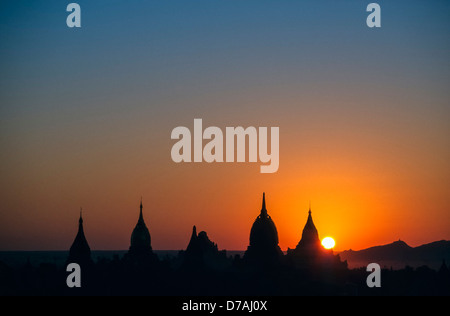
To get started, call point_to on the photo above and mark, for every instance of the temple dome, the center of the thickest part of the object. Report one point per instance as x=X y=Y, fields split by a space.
x=263 y=232
x=263 y=246
x=80 y=252
x=140 y=238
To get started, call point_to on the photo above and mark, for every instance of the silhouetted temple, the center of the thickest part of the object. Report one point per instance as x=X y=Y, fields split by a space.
x=201 y=252
x=309 y=252
x=200 y=243
x=80 y=252
x=310 y=242
x=203 y=270
x=140 y=248
x=263 y=248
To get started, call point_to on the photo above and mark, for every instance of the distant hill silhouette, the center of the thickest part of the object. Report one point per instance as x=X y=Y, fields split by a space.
x=399 y=254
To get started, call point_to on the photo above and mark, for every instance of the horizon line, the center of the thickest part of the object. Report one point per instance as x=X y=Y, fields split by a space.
x=183 y=249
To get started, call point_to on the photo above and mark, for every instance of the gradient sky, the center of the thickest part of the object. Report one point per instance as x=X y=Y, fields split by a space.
x=86 y=116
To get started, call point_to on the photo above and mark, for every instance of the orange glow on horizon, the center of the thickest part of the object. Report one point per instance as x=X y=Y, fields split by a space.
x=366 y=188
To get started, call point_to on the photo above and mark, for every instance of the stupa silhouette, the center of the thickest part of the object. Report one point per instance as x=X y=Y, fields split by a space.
x=80 y=252
x=140 y=250
x=202 y=253
x=309 y=252
x=263 y=248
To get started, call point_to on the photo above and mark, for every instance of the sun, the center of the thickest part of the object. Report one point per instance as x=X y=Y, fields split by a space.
x=328 y=242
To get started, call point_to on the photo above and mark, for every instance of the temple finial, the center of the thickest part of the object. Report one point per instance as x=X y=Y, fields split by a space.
x=309 y=212
x=263 y=208
x=264 y=200
x=80 y=220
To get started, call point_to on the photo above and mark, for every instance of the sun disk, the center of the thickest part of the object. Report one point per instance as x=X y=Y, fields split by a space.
x=328 y=242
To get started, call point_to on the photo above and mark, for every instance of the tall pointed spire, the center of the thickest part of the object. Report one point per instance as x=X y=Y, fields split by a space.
x=80 y=225
x=193 y=235
x=141 y=218
x=80 y=221
x=309 y=221
x=193 y=242
x=263 y=208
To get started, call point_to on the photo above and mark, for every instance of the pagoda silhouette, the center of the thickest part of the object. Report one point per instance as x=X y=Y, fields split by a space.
x=202 y=267
x=309 y=252
x=80 y=252
x=263 y=249
x=140 y=251
x=201 y=253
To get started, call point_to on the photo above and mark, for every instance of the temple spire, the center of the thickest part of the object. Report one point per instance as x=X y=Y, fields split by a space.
x=141 y=217
x=140 y=247
x=79 y=251
x=263 y=249
x=263 y=208
x=80 y=220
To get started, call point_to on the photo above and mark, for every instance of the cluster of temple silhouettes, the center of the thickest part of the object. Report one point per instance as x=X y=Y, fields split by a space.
x=203 y=269
x=263 y=251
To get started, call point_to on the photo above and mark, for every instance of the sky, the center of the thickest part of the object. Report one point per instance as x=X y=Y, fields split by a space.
x=86 y=116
